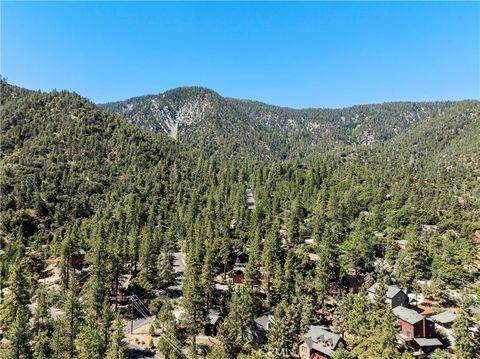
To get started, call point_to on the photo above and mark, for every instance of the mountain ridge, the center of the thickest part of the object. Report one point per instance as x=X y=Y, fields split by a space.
x=197 y=115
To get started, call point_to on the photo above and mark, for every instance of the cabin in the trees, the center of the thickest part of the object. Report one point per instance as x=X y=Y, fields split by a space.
x=237 y=273
x=395 y=296
x=444 y=320
x=261 y=326
x=319 y=343
x=413 y=324
x=211 y=325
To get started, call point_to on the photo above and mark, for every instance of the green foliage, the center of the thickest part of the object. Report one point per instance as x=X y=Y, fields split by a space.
x=467 y=341
x=75 y=178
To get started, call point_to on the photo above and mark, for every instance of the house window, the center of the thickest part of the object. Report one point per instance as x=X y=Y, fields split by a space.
x=409 y=334
x=304 y=349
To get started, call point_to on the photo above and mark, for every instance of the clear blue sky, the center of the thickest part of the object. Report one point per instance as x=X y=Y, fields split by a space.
x=291 y=54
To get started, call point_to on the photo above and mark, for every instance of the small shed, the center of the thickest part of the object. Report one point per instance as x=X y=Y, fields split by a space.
x=211 y=325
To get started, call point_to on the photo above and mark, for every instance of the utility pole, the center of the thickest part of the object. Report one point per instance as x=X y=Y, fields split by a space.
x=131 y=316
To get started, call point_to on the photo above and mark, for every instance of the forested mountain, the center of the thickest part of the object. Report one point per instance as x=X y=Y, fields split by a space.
x=205 y=119
x=84 y=191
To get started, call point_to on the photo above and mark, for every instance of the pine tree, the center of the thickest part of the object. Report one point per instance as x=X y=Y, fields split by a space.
x=294 y=223
x=467 y=342
x=41 y=313
x=376 y=337
x=234 y=330
x=271 y=254
x=41 y=345
x=90 y=341
x=193 y=296
x=18 y=336
x=18 y=295
x=69 y=253
x=284 y=331
x=117 y=348
x=208 y=275
x=68 y=325
x=147 y=258
x=100 y=280
x=341 y=313
x=165 y=272
x=252 y=272
x=168 y=344
x=133 y=247
x=105 y=322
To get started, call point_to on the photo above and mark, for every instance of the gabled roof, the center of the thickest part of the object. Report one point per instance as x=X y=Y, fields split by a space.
x=428 y=342
x=263 y=321
x=445 y=317
x=322 y=340
x=407 y=315
x=392 y=290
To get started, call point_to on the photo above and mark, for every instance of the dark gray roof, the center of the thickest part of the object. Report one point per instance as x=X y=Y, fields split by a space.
x=407 y=315
x=445 y=317
x=322 y=340
x=392 y=290
x=262 y=322
x=428 y=342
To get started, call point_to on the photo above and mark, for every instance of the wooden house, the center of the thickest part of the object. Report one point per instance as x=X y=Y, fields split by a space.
x=413 y=325
x=210 y=327
x=319 y=343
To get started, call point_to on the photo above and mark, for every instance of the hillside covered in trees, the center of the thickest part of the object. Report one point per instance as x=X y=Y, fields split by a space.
x=231 y=127
x=97 y=214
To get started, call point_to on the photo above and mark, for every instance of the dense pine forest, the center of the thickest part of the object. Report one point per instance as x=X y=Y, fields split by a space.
x=189 y=225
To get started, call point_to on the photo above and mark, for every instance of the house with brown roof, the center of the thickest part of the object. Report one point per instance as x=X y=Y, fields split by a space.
x=319 y=343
